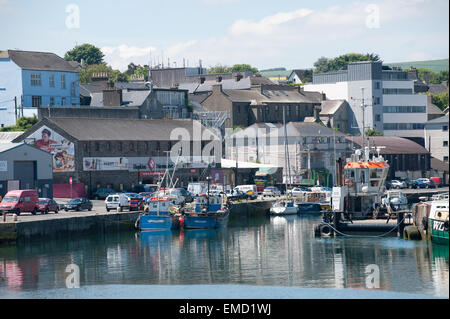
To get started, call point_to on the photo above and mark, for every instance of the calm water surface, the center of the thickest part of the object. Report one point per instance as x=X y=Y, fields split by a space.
x=269 y=251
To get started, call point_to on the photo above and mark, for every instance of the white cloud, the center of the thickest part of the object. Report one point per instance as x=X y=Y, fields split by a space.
x=120 y=56
x=287 y=38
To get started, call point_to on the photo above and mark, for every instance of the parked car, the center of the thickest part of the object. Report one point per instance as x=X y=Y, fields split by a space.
x=271 y=191
x=398 y=184
x=298 y=191
x=20 y=201
x=78 y=204
x=47 y=205
x=428 y=182
x=115 y=201
x=102 y=193
x=418 y=184
x=409 y=183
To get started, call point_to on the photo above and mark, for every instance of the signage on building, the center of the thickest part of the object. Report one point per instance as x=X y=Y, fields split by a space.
x=62 y=149
x=193 y=170
x=151 y=174
x=105 y=164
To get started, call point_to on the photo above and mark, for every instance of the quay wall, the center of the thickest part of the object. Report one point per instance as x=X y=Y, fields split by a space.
x=50 y=227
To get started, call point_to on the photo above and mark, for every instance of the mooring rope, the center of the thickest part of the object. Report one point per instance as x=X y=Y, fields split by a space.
x=366 y=236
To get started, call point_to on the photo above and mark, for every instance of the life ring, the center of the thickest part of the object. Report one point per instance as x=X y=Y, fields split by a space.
x=350 y=183
x=325 y=231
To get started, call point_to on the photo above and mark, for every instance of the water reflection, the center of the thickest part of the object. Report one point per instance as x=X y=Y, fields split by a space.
x=276 y=251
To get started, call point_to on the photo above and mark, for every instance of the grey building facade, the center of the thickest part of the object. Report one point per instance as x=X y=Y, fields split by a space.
x=23 y=166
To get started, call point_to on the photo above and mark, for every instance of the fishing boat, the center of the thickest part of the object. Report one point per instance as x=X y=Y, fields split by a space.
x=438 y=222
x=396 y=200
x=208 y=212
x=284 y=207
x=159 y=214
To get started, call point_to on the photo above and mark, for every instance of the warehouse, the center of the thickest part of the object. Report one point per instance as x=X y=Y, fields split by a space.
x=121 y=153
x=23 y=166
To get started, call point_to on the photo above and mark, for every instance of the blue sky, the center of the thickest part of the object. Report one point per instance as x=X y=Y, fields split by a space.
x=265 y=34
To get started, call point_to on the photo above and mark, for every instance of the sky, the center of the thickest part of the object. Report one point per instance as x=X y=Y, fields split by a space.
x=263 y=33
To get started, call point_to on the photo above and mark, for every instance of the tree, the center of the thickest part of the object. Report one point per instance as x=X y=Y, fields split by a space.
x=218 y=69
x=86 y=52
x=341 y=62
x=373 y=132
x=22 y=124
x=85 y=74
x=243 y=68
x=322 y=65
x=440 y=100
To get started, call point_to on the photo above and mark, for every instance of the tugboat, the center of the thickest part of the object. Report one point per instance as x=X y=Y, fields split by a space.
x=208 y=212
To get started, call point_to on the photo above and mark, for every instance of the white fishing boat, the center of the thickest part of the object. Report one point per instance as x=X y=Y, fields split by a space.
x=284 y=207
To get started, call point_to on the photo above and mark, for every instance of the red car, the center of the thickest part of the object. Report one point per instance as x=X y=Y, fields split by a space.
x=48 y=205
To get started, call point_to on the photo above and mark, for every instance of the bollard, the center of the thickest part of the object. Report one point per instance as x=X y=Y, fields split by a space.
x=15 y=217
x=4 y=217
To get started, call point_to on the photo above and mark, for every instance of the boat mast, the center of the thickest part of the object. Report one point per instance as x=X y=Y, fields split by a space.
x=286 y=153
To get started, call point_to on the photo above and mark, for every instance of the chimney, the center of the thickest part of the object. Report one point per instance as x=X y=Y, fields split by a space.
x=217 y=88
x=100 y=79
x=112 y=96
x=317 y=110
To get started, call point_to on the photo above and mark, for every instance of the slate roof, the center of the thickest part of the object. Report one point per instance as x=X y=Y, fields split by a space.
x=96 y=129
x=439 y=165
x=331 y=106
x=227 y=84
x=88 y=89
x=392 y=144
x=442 y=119
x=42 y=61
x=314 y=129
x=129 y=98
x=6 y=137
x=437 y=88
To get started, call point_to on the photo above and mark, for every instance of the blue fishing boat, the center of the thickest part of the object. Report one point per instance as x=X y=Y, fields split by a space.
x=208 y=212
x=159 y=214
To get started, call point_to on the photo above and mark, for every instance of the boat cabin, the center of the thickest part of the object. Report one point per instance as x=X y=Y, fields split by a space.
x=201 y=202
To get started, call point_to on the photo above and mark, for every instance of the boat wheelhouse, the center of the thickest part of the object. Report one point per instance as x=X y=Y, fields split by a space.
x=365 y=179
x=438 y=221
x=208 y=212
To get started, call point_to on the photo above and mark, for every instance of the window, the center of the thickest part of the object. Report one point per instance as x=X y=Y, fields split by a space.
x=377 y=101
x=377 y=85
x=52 y=101
x=404 y=109
x=36 y=101
x=63 y=81
x=445 y=143
x=397 y=91
x=63 y=101
x=97 y=146
x=51 y=81
x=445 y=128
x=445 y=158
x=378 y=117
x=72 y=89
x=35 y=79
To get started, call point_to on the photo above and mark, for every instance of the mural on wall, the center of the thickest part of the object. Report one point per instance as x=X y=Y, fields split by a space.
x=105 y=163
x=62 y=149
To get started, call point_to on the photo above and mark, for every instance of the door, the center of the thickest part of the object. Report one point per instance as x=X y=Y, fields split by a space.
x=25 y=172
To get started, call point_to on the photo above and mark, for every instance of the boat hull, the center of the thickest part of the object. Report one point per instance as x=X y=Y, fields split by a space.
x=199 y=222
x=283 y=211
x=154 y=222
x=439 y=234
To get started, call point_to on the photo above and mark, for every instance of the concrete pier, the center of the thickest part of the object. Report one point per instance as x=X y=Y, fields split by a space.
x=27 y=226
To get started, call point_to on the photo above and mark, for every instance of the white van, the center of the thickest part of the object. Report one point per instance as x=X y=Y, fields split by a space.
x=249 y=189
x=117 y=201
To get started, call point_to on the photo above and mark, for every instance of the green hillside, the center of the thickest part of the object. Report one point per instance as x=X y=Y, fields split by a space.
x=433 y=65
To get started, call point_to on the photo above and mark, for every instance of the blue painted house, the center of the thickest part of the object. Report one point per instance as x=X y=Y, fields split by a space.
x=29 y=80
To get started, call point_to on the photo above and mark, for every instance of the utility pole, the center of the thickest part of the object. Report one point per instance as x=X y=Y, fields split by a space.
x=15 y=107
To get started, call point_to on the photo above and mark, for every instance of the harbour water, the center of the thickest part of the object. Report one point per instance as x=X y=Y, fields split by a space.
x=277 y=252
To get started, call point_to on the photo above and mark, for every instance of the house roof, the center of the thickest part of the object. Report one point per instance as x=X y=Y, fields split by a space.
x=42 y=61
x=227 y=84
x=88 y=89
x=96 y=129
x=392 y=144
x=4 y=147
x=130 y=86
x=442 y=119
x=314 y=129
x=439 y=165
x=331 y=106
x=437 y=88
x=129 y=98
x=6 y=137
